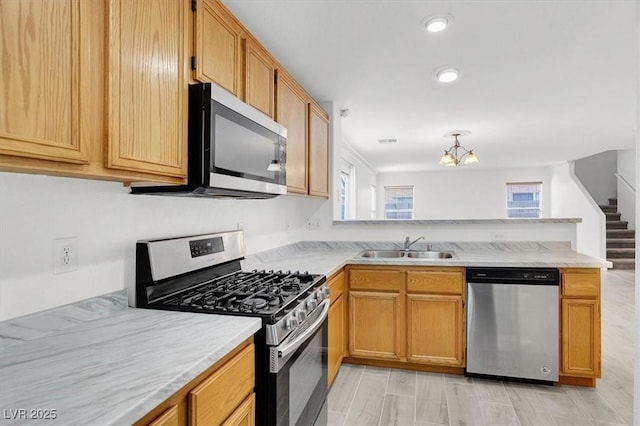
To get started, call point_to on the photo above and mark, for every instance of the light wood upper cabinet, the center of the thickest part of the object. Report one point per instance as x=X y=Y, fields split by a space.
x=40 y=84
x=259 y=78
x=291 y=112
x=318 y=151
x=218 y=47
x=147 y=92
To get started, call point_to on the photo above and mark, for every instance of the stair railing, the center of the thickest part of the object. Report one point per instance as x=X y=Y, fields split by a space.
x=626 y=182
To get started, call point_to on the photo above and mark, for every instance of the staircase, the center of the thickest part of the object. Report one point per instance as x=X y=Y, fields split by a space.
x=621 y=243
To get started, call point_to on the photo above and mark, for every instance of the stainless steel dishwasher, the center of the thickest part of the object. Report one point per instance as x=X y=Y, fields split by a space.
x=512 y=323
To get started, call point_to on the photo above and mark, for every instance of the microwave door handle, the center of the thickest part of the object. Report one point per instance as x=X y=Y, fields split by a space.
x=288 y=348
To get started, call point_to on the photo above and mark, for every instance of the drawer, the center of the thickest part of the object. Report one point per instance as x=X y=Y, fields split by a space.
x=435 y=281
x=375 y=279
x=336 y=286
x=581 y=282
x=213 y=400
x=168 y=418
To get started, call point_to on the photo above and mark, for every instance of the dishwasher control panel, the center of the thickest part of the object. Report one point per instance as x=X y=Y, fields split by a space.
x=546 y=276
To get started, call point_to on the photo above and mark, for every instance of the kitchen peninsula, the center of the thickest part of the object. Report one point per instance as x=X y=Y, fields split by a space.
x=102 y=344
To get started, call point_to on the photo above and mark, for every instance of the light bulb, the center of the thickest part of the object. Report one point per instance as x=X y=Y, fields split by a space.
x=448 y=75
x=436 y=24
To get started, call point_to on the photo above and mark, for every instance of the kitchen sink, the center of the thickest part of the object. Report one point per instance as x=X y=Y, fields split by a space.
x=430 y=254
x=412 y=254
x=382 y=253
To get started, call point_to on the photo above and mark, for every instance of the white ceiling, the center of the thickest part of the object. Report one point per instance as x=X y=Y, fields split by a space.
x=541 y=81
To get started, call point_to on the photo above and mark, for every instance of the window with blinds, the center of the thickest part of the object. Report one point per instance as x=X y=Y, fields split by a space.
x=523 y=199
x=398 y=202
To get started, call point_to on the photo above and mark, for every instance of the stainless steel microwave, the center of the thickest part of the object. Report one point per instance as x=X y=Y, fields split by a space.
x=234 y=149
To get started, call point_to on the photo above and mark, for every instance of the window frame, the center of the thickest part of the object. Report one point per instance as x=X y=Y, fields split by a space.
x=413 y=202
x=537 y=196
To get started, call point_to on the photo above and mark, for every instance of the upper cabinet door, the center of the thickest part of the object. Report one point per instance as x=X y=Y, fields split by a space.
x=40 y=90
x=291 y=112
x=259 y=78
x=318 y=151
x=218 y=47
x=147 y=88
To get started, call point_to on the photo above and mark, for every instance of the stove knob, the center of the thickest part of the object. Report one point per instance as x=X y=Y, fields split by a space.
x=312 y=304
x=291 y=323
x=302 y=314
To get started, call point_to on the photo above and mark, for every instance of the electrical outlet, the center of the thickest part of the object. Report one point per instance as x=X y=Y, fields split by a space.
x=312 y=224
x=65 y=255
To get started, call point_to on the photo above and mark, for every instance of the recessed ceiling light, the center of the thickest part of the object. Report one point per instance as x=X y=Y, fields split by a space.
x=436 y=25
x=447 y=75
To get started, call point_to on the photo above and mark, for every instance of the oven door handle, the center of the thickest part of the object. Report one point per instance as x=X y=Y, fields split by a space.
x=288 y=348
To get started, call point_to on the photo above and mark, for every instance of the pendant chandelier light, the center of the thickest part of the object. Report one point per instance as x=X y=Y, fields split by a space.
x=453 y=158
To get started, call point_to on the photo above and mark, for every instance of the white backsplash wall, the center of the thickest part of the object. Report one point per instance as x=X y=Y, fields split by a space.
x=36 y=209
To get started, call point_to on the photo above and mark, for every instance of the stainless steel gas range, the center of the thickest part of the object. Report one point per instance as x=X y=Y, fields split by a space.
x=202 y=273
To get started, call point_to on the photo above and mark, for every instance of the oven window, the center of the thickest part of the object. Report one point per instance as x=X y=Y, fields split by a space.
x=304 y=375
x=242 y=147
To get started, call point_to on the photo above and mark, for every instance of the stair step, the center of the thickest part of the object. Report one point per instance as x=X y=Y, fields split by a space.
x=620 y=243
x=613 y=201
x=621 y=233
x=612 y=216
x=621 y=253
x=609 y=209
x=617 y=224
x=623 y=263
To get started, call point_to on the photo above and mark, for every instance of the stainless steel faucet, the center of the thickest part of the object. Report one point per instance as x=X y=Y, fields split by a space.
x=408 y=243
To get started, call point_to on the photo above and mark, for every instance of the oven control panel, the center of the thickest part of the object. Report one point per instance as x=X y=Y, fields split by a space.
x=206 y=246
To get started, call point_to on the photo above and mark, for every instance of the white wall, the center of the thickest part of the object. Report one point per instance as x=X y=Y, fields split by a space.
x=394 y=232
x=626 y=197
x=463 y=193
x=108 y=221
x=596 y=173
x=569 y=198
x=365 y=177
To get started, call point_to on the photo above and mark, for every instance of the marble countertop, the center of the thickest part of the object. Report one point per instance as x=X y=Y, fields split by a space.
x=518 y=221
x=110 y=366
x=324 y=257
x=100 y=362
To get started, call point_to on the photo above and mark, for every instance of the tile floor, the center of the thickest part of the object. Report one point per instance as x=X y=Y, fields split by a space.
x=379 y=396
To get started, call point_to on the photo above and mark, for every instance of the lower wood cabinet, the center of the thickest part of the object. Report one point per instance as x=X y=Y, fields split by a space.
x=245 y=414
x=435 y=325
x=375 y=325
x=580 y=325
x=218 y=396
x=169 y=418
x=222 y=395
x=414 y=317
x=407 y=314
x=337 y=324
